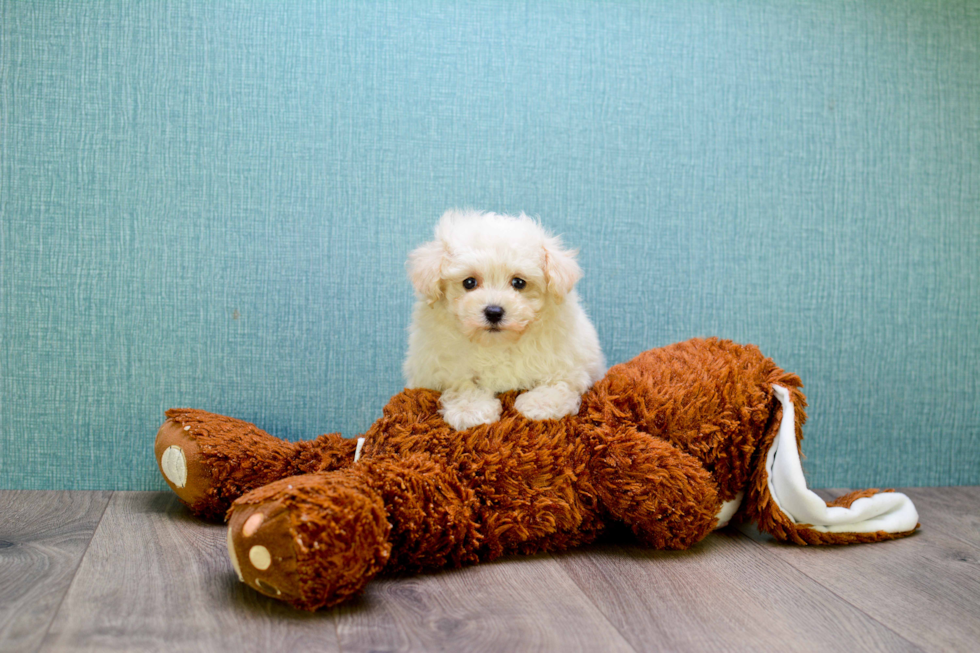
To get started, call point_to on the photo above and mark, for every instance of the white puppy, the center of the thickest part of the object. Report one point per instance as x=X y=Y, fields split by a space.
x=496 y=311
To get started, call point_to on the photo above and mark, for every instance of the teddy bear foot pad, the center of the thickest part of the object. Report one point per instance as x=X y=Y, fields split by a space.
x=263 y=553
x=178 y=455
x=312 y=540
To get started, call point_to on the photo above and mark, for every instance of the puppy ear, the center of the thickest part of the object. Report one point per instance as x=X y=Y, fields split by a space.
x=561 y=271
x=425 y=270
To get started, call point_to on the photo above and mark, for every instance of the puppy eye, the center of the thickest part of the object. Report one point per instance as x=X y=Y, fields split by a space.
x=518 y=283
x=469 y=283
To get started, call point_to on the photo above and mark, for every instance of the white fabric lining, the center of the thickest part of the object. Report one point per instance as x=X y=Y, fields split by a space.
x=892 y=512
x=728 y=510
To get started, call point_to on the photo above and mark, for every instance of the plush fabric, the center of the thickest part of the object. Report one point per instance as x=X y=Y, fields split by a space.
x=658 y=446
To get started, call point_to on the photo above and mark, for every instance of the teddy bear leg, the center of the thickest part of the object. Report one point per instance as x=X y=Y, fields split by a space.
x=311 y=540
x=316 y=540
x=210 y=460
x=664 y=495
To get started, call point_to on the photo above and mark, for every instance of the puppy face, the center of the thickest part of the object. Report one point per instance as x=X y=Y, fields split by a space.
x=495 y=274
x=494 y=294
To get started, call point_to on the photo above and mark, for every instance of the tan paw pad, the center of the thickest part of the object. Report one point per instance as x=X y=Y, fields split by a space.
x=266 y=588
x=174 y=465
x=252 y=524
x=260 y=557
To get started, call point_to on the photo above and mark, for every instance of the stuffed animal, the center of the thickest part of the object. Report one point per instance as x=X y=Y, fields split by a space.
x=671 y=444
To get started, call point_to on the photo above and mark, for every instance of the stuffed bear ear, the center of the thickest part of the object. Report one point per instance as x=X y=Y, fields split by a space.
x=561 y=271
x=425 y=270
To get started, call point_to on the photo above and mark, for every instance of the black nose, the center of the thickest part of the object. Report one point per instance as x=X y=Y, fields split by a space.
x=494 y=314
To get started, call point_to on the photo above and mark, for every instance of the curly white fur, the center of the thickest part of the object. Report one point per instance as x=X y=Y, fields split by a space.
x=543 y=342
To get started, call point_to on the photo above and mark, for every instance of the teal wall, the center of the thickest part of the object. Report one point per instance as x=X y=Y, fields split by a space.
x=210 y=203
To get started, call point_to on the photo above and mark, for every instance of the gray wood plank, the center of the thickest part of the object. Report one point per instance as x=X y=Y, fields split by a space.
x=955 y=510
x=514 y=604
x=725 y=593
x=155 y=578
x=925 y=587
x=43 y=536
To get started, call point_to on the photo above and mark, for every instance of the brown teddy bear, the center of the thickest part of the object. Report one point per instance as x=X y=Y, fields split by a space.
x=672 y=444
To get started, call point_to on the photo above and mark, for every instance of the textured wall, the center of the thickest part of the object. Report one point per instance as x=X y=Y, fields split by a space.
x=210 y=203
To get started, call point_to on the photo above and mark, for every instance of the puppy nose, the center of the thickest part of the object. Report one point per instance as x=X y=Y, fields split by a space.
x=494 y=314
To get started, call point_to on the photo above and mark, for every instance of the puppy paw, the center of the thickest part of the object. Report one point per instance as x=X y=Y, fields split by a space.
x=548 y=402
x=466 y=409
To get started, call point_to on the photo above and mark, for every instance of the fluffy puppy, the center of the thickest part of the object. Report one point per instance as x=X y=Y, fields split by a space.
x=497 y=311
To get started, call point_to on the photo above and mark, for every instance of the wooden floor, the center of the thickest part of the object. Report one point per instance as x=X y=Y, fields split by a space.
x=131 y=571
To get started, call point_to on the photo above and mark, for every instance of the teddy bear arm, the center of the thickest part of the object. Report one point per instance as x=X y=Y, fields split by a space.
x=664 y=495
x=317 y=539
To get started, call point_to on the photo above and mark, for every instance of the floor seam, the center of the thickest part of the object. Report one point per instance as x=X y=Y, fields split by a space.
x=593 y=603
x=74 y=573
x=836 y=595
x=336 y=632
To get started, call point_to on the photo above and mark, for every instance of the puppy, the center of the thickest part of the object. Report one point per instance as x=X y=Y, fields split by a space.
x=497 y=311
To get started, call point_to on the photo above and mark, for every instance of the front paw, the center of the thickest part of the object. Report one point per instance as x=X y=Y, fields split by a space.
x=548 y=402
x=468 y=409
